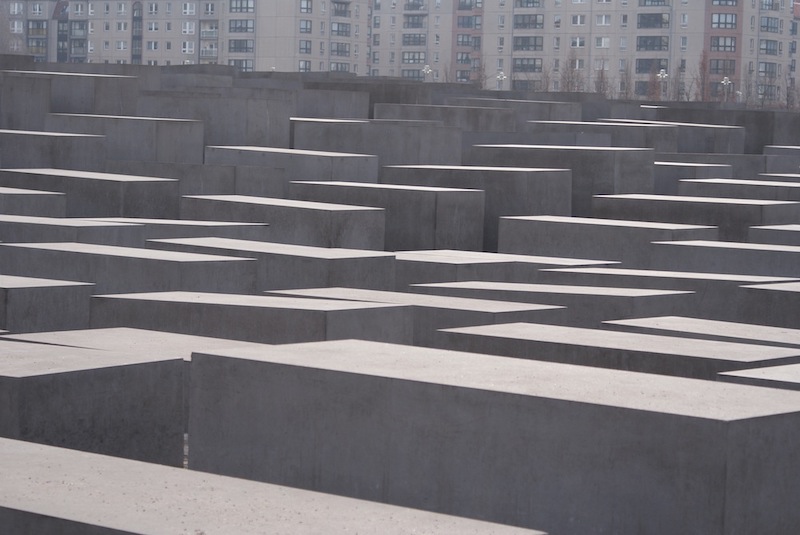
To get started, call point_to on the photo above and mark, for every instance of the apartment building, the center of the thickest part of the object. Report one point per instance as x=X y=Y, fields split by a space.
x=298 y=35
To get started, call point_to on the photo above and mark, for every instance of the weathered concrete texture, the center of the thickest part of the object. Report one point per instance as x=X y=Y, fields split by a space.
x=394 y=142
x=147 y=139
x=297 y=266
x=727 y=257
x=298 y=222
x=25 y=100
x=525 y=110
x=713 y=330
x=110 y=402
x=30 y=202
x=24 y=148
x=595 y=170
x=663 y=138
x=473 y=435
x=414 y=267
x=30 y=304
x=466 y=118
x=636 y=352
x=186 y=228
x=75 y=92
x=588 y=305
x=432 y=312
x=98 y=495
x=332 y=103
x=416 y=217
x=21 y=228
x=786 y=377
x=254 y=318
x=732 y=216
x=667 y=175
x=773 y=304
x=743 y=165
x=775 y=234
x=195 y=179
x=697 y=137
x=126 y=269
x=775 y=190
x=508 y=190
x=278 y=166
x=612 y=239
x=91 y=194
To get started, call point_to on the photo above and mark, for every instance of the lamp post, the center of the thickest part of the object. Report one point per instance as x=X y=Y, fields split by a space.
x=426 y=70
x=500 y=77
x=662 y=77
x=726 y=84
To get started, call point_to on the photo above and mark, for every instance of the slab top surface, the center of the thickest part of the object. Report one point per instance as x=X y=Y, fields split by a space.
x=423 y=300
x=697 y=200
x=62 y=221
x=788 y=373
x=673 y=274
x=125 y=252
x=284 y=203
x=177 y=222
x=635 y=342
x=262 y=247
x=689 y=164
x=389 y=187
x=581 y=148
x=476 y=168
x=790 y=287
x=12 y=281
x=608 y=222
x=584 y=384
x=744 y=182
x=20 y=191
x=41 y=133
x=450 y=256
x=150 y=499
x=725 y=329
x=129 y=117
x=742 y=246
x=69 y=74
x=71 y=173
x=291 y=152
x=551 y=288
x=250 y=301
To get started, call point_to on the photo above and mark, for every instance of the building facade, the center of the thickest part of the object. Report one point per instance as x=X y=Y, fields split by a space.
x=742 y=50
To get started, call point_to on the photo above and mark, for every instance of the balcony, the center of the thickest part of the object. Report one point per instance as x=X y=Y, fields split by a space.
x=206 y=53
x=209 y=34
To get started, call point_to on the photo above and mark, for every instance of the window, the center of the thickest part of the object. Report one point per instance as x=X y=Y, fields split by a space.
x=723 y=21
x=249 y=26
x=417 y=21
x=340 y=49
x=528 y=22
x=724 y=2
x=528 y=3
x=647 y=66
x=723 y=44
x=243 y=6
x=209 y=10
x=121 y=8
x=767 y=69
x=341 y=29
x=305 y=6
x=152 y=26
x=578 y=20
x=122 y=45
x=304 y=65
x=337 y=66
x=36 y=9
x=649 y=3
x=527 y=65
x=122 y=26
x=16 y=8
x=152 y=45
x=414 y=39
x=722 y=66
x=603 y=20
x=17 y=26
x=652 y=43
x=463 y=58
x=652 y=20
x=152 y=8
x=602 y=42
x=187 y=28
x=601 y=64
x=413 y=57
x=770 y=24
x=248 y=45
x=529 y=43
x=556 y=21
x=187 y=47
x=577 y=42
x=768 y=47
x=305 y=47
x=188 y=8
x=556 y=43
x=244 y=65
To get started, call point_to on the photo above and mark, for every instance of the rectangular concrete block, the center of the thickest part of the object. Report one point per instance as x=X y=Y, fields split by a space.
x=109 y=402
x=298 y=222
x=91 y=194
x=667 y=175
x=29 y=304
x=612 y=239
x=595 y=170
x=124 y=269
x=746 y=189
x=154 y=229
x=417 y=217
x=298 y=266
x=27 y=149
x=662 y=138
x=570 y=449
x=524 y=110
x=773 y=304
x=732 y=216
x=727 y=257
x=698 y=137
x=775 y=234
x=32 y=202
x=48 y=491
x=20 y=229
x=508 y=190
x=194 y=179
x=254 y=318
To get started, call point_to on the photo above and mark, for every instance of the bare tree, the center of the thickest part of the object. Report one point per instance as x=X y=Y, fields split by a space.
x=626 y=83
x=702 y=90
x=653 y=84
x=601 y=82
x=571 y=76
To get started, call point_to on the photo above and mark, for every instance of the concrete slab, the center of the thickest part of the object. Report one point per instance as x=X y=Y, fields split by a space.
x=415 y=267
x=508 y=190
x=30 y=202
x=732 y=216
x=30 y=304
x=663 y=138
x=21 y=229
x=120 y=269
x=110 y=402
x=298 y=222
x=417 y=217
x=776 y=234
x=727 y=257
x=786 y=377
x=698 y=137
x=667 y=175
x=595 y=170
x=298 y=266
x=194 y=179
x=254 y=318
x=30 y=148
x=432 y=312
x=614 y=239
x=186 y=228
x=49 y=491
x=587 y=305
x=637 y=352
x=91 y=194
x=525 y=110
x=773 y=304
x=745 y=189
x=414 y=426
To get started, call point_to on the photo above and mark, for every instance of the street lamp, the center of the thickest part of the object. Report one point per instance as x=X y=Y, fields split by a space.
x=726 y=84
x=662 y=77
x=500 y=77
x=426 y=70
